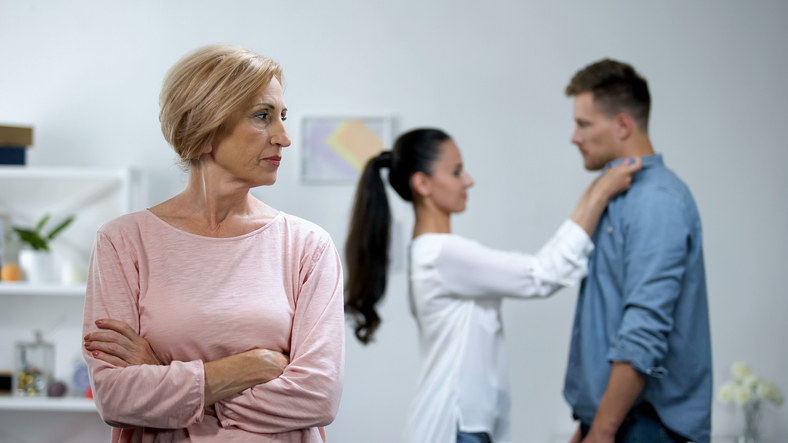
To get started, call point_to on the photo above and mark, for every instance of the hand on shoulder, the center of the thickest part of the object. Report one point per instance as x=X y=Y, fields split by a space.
x=618 y=178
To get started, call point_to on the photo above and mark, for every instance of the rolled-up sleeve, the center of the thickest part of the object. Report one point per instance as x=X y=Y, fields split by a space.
x=656 y=244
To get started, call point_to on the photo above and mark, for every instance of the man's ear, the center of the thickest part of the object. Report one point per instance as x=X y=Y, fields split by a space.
x=420 y=183
x=625 y=126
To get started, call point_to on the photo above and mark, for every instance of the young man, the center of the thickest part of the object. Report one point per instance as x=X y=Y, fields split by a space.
x=640 y=359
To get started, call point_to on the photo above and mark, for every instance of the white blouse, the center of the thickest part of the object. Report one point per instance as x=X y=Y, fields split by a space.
x=456 y=289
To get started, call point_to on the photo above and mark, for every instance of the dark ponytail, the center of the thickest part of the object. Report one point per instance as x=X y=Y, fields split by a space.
x=367 y=246
x=366 y=250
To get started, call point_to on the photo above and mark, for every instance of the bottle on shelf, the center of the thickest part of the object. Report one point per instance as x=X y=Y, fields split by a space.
x=35 y=366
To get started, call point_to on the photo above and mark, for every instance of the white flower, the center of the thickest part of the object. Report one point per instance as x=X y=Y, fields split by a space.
x=740 y=370
x=765 y=389
x=742 y=395
x=746 y=388
x=768 y=390
x=750 y=381
x=725 y=394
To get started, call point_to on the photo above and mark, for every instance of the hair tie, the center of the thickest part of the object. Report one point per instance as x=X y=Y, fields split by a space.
x=383 y=160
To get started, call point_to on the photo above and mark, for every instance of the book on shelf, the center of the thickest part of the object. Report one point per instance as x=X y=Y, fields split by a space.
x=14 y=141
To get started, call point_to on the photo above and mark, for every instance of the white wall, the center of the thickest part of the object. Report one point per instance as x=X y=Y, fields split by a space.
x=87 y=74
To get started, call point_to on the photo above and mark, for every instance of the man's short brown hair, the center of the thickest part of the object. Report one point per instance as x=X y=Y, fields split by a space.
x=616 y=88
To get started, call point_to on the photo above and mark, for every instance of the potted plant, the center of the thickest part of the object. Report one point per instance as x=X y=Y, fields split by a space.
x=35 y=261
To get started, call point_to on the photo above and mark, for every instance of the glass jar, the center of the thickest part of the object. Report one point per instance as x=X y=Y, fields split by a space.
x=35 y=366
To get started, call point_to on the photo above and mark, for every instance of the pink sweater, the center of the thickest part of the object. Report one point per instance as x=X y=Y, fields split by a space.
x=198 y=299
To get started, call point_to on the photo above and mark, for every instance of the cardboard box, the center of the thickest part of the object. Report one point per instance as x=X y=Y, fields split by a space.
x=17 y=136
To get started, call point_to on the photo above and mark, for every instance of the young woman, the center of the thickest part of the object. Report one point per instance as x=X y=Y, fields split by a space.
x=456 y=284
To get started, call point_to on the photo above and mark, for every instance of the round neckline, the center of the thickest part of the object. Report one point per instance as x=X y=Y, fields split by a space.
x=276 y=219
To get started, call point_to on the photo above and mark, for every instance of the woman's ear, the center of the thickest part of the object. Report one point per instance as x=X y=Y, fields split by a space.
x=420 y=183
x=215 y=140
x=206 y=148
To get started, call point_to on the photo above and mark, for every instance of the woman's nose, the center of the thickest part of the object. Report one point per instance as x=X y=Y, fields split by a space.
x=281 y=138
x=468 y=180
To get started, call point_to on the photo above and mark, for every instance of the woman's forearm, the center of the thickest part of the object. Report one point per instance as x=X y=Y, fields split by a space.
x=230 y=375
x=589 y=209
x=118 y=344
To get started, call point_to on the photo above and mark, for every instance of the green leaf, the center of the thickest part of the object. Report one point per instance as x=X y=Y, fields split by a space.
x=32 y=238
x=36 y=239
x=42 y=222
x=60 y=227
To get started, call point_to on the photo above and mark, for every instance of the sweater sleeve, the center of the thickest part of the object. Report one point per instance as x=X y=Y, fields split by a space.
x=470 y=269
x=307 y=393
x=167 y=397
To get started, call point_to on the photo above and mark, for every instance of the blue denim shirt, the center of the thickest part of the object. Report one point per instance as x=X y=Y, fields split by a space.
x=644 y=302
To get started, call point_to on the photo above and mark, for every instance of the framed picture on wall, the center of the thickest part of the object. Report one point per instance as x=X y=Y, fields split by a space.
x=335 y=149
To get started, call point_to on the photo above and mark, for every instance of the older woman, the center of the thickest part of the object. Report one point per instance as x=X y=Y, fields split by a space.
x=213 y=316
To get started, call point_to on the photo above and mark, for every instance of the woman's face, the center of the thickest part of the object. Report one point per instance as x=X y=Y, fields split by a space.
x=448 y=183
x=250 y=149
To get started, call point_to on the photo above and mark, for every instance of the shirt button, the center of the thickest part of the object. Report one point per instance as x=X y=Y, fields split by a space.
x=609 y=229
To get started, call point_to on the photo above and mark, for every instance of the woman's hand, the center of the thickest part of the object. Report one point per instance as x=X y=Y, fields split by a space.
x=272 y=363
x=617 y=179
x=118 y=344
x=594 y=201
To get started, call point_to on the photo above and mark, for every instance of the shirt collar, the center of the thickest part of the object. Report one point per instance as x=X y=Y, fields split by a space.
x=648 y=161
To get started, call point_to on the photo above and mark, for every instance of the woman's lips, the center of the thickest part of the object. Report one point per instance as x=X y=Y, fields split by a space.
x=275 y=160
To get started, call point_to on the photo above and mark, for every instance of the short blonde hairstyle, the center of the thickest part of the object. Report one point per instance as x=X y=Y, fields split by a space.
x=204 y=89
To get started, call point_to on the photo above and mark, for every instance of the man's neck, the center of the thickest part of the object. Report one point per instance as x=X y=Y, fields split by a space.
x=638 y=145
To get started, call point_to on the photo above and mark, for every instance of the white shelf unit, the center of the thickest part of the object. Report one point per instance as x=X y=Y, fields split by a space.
x=49 y=290
x=44 y=404
x=93 y=196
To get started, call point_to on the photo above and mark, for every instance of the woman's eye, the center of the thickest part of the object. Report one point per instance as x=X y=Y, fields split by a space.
x=284 y=117
x=261 y=116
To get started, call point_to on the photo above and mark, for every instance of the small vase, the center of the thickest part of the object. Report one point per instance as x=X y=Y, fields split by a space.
x=752 y=419
x=36 y=265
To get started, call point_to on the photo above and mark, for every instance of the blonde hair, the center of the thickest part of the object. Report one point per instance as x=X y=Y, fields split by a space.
x=204 y=89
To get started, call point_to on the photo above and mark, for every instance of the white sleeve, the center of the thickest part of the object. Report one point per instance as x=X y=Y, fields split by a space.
x=470 y=269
